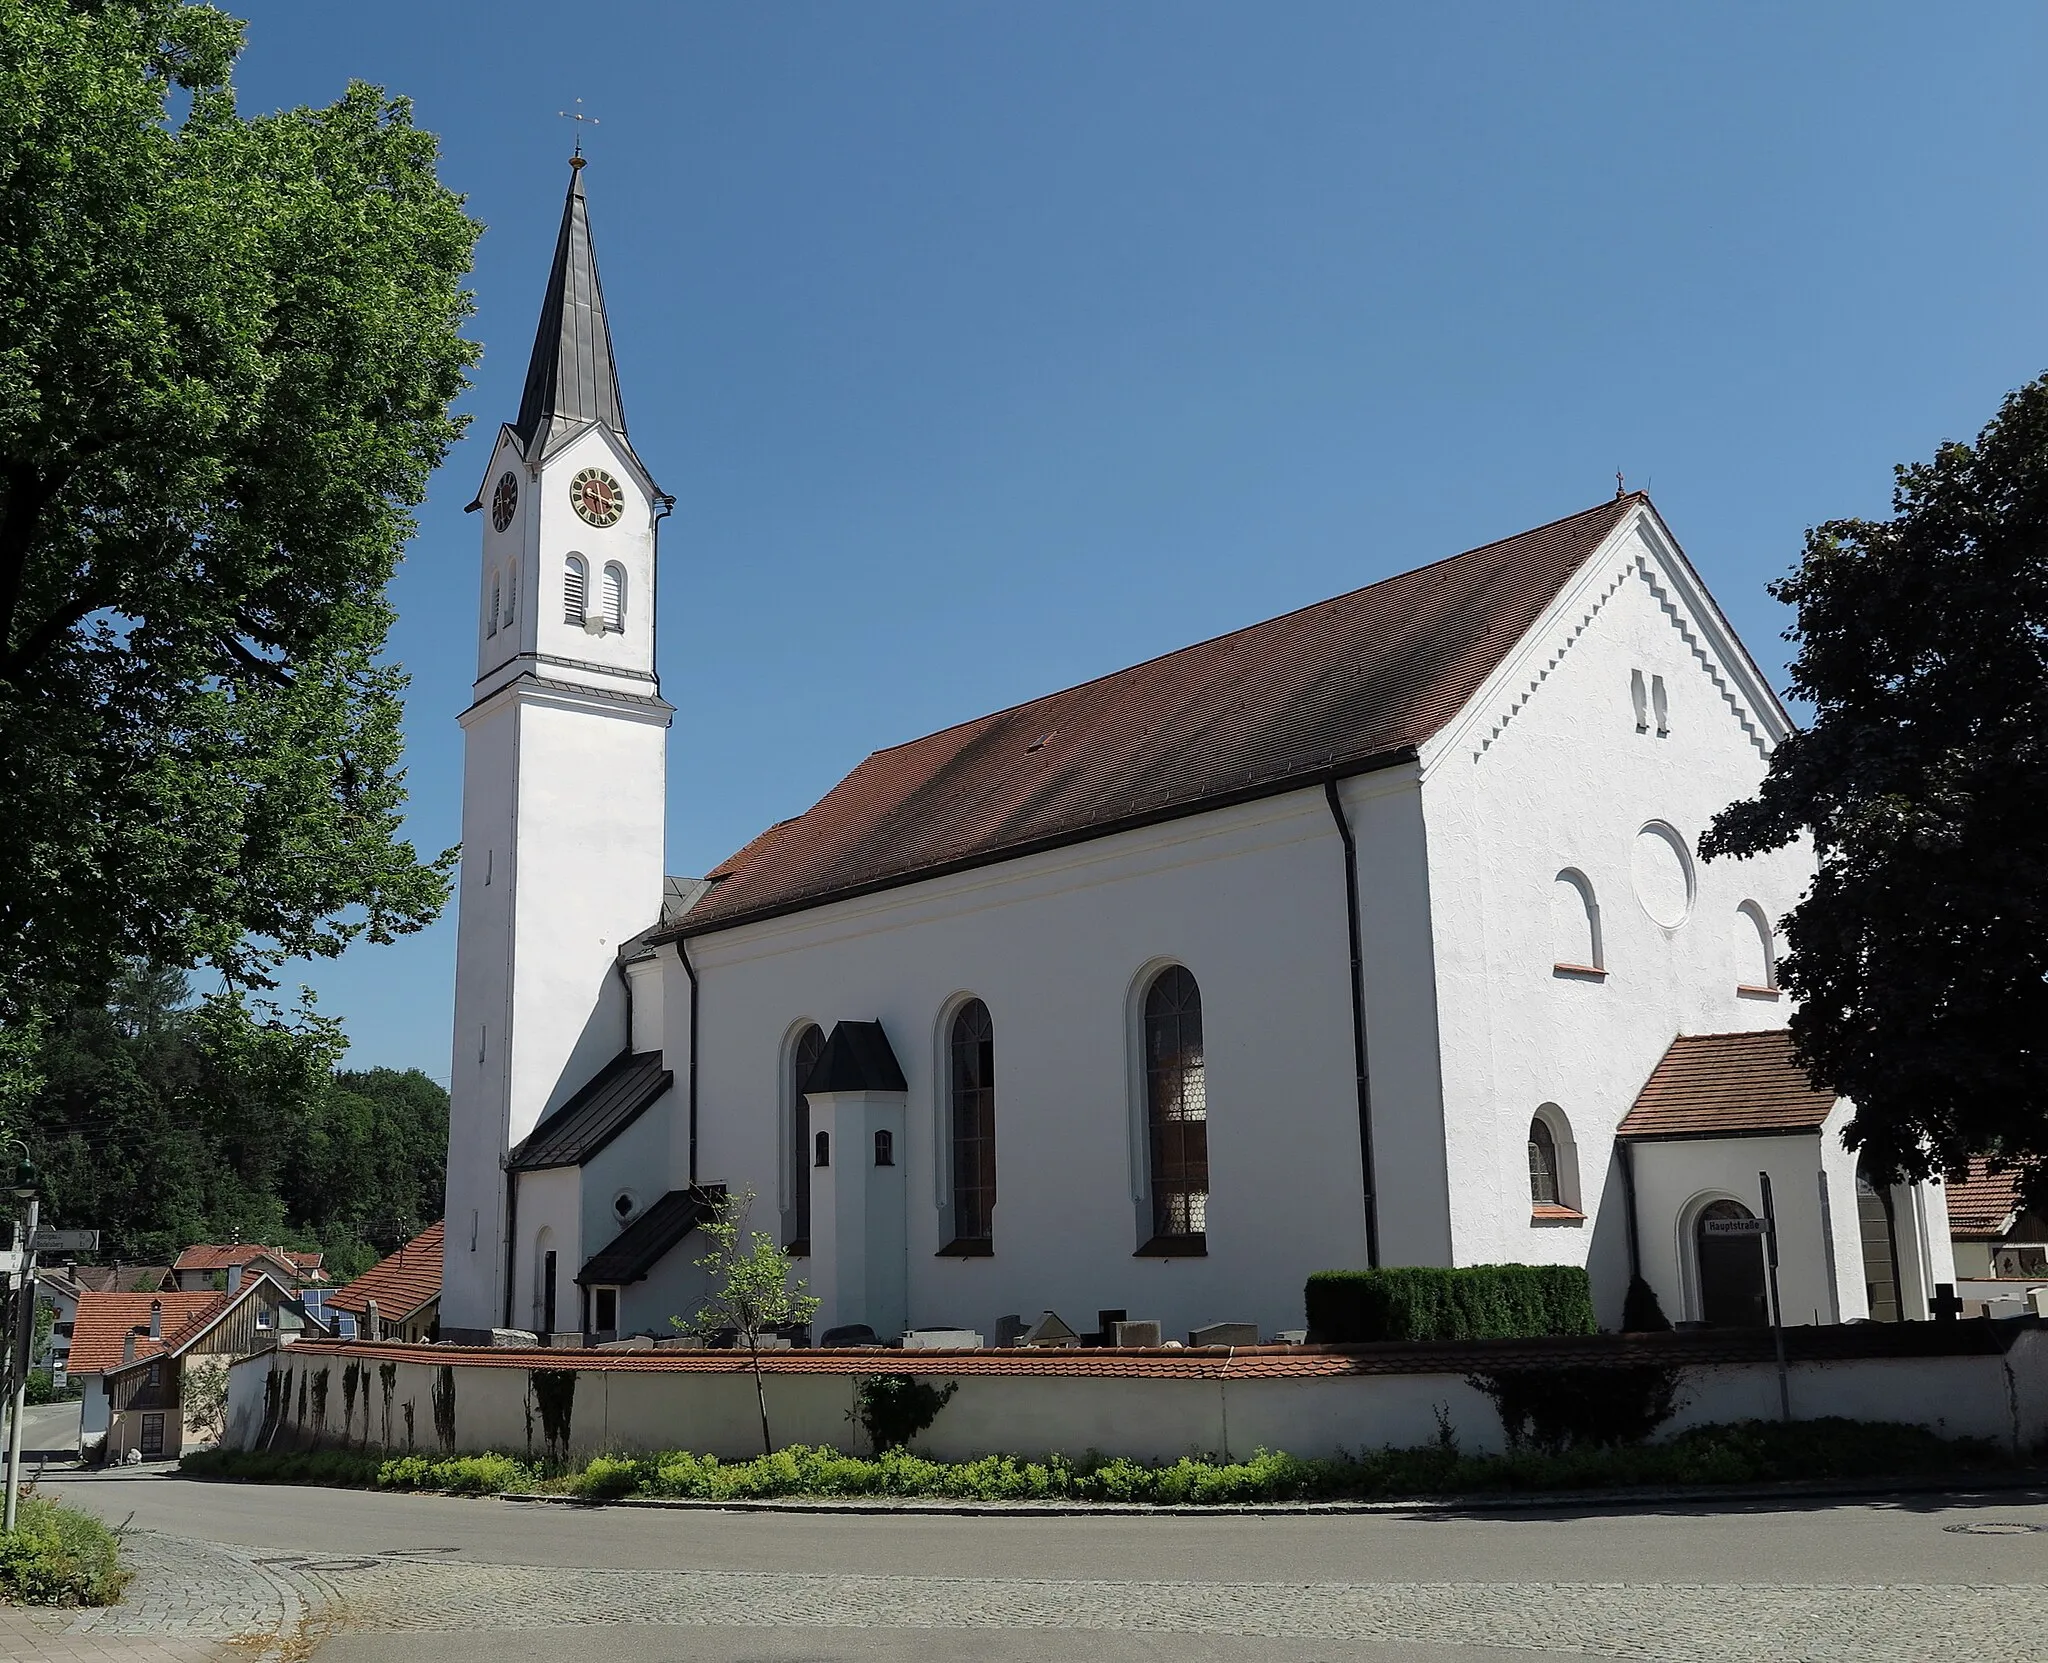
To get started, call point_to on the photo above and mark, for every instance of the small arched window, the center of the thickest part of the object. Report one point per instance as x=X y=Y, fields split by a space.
x=1543 y=1190
x=1660 y=705
x=885 y=1147
x=491 y=608
x=971 y=1050
x=1757 y=950
x=803 y=1057
x=1639 y=696
x=1176 y=1106
x=824 y=1143
x=1575 y=924
x=575 y=589
x=614 y=597
x=511 y=607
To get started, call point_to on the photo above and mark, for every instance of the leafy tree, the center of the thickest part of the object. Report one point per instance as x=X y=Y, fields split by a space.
x=751 y=1291
x=1920 y=956
x=228 y=347
x=163 y=1122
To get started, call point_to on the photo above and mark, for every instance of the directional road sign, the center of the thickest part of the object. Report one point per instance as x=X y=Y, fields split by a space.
x=66 y=1241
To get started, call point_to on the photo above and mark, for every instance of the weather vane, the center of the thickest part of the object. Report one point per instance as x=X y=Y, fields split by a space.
x=576 y=115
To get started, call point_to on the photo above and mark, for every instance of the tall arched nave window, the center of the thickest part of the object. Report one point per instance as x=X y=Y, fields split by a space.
x=1176 y=1106
x=971 y=1054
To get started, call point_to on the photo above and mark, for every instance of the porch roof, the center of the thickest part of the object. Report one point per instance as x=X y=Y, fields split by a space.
x=1727 y=1086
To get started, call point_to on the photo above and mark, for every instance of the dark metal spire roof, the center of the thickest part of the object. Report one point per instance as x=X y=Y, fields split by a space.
x=571 y=380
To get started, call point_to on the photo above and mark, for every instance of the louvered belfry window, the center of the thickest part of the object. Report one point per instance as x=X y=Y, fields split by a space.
x=614 y=597
x=1177 y=1105
x=973 y=1050
x=575 y=590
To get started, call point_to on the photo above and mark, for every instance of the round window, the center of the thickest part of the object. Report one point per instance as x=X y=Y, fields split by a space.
x=624 y=1205
x=1662 y=870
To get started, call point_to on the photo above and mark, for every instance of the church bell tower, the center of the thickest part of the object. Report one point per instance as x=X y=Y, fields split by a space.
x=564 y=756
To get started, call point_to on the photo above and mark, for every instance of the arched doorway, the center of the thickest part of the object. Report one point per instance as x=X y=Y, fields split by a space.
x=1731 y=1271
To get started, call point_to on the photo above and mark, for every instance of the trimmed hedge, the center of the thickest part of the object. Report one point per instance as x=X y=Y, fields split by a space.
x=1424 y=1302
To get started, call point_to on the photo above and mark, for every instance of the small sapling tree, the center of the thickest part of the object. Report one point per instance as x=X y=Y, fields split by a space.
x=752 y=1292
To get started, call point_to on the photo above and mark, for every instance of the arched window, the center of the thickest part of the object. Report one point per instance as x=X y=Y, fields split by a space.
x=1639 y=696
x=1543 y=1190
x=1660 y=705
x=575 y=589
x=1176 y=1106
x=824 y=1143
x=511 y=593
x=804 y=1053
x=1553 y=1167
x=1756 y=947
x=971 y=1117
x=491 y=608
x=885 y=1147
x=614 y=597
x=1574 y=923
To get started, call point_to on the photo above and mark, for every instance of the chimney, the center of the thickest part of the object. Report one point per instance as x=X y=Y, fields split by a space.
x=128 y=1345
x=370 y=1320
x=234 y=1278
x=156 y=1319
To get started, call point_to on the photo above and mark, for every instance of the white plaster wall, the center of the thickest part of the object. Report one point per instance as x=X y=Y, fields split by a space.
x=2002 y=1398
x=550 y=1215
x=1250 y=899
x=636 y=1163
x=1675 y=1180
x=1546 y=771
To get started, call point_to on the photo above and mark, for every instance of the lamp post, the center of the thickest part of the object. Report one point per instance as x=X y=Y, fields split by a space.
x=24 y=1328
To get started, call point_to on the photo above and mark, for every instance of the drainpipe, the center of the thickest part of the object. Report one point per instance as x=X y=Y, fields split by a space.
x=1358 y=1056
x=1628 y=1190
x=690 y=970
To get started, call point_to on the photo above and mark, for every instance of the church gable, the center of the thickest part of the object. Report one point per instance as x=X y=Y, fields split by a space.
x=1638 y=570
x=1334 y=689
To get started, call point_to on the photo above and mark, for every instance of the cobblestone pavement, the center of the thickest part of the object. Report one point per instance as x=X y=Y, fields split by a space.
x=190 y=1602
x=1895 y=1623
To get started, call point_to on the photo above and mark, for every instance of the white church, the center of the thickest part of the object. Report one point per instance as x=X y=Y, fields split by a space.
x=1372 y=934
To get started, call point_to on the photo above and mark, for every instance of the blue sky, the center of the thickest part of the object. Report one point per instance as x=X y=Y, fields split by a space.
x=991 y=347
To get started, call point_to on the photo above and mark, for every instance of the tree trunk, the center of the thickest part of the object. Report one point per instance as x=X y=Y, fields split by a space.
x=760 y=1394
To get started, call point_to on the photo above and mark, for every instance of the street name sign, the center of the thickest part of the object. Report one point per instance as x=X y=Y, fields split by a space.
x=1731 y=1227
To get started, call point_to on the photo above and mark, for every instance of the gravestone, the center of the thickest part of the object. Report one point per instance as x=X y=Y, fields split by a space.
x=1050 y=1330
x=1226 y=1333
x=1144 y=1335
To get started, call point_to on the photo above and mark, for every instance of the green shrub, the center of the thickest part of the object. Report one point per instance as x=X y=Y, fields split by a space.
x=894 y=1408
x=43 y=1388
x=340 y=1468
x=56 y=1555
x=1750 y=1452
x=1596 y=1405
x=1424 y=1302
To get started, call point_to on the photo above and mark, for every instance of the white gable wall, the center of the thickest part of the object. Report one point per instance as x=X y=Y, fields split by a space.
x=1249 y=898
x=1547 y=771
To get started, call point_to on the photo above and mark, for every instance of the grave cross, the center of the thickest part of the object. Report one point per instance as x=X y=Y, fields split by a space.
x=1945 y=1306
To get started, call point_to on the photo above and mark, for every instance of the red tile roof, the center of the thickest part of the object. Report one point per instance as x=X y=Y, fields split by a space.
x=400 y=1284
x=1983 y=1205
x=1844 y=1340
x=104 y=1318
x=1339 y=685
x=1727 y=1085
x=221 y=1256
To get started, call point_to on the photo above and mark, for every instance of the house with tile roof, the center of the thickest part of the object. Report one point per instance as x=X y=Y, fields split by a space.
x=1370 y=934
x=206 y=1265
x=2001 y=1245
x=399 y=1297
x=133 y=1352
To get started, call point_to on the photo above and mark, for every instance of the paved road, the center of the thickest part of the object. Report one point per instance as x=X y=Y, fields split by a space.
x=52 y=1429
x=413 y=1578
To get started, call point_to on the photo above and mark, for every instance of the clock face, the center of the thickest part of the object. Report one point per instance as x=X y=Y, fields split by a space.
x=504 y=501
x=597 y=496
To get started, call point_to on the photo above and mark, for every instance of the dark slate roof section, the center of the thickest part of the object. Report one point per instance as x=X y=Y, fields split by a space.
x=648 y=1239
x=856 y=1058
x=625 y=1088
x=1336 y=688
x=571 y=379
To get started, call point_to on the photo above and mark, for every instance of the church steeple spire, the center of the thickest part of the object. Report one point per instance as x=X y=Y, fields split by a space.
x=571 y=380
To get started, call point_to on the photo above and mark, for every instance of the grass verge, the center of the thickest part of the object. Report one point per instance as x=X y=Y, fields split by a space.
x=56 y=1555
x=1744 y=1453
